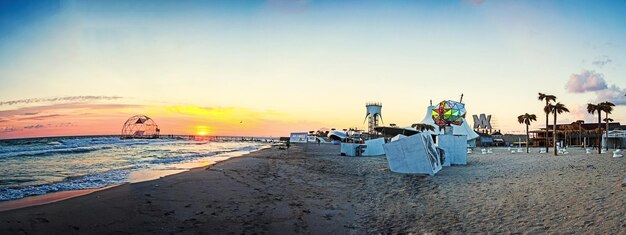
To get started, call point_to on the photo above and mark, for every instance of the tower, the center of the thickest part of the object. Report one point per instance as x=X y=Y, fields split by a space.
x=374 y=114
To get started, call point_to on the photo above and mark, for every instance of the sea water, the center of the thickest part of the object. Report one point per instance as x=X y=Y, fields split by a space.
x=45 y=165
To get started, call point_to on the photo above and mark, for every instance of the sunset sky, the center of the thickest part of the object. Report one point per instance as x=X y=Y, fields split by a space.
x=266 y=68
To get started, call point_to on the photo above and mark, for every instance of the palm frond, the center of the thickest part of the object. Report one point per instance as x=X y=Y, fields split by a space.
x=560 y=108
x=541 y=96
x=526 y=118
x=592 y=108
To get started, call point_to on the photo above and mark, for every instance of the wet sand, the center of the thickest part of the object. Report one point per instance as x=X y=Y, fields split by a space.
x=310 y=189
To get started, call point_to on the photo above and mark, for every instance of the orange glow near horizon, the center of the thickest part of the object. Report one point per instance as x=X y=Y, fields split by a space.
x=67 y=119
x=202 y=130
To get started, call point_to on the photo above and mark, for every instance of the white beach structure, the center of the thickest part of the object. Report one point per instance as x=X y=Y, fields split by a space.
x=350 y=149
x=463 y=129
x=373 y=147
x=454 y=145
x=414 y=154
x=617 y=139
x=455 y=149
x=397 y=137
x=337 y=135
x=298 y=137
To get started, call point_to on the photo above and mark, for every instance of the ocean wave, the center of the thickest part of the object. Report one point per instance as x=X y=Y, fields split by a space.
x=74 y=183
x=83 y=171
x=72 y=145
x=39 y=153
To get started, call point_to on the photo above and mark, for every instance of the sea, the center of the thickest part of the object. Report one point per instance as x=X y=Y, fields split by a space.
x=40 y=166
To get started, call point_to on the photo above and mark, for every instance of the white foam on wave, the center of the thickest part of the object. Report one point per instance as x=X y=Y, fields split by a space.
x=143 y=154
x=87 y=182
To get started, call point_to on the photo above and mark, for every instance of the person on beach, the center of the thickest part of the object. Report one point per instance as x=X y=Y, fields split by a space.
x=288 y=143
x=317 y=140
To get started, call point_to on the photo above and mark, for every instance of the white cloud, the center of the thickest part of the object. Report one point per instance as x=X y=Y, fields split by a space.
x=613 y=94
x=586 y=81
x=58 y=99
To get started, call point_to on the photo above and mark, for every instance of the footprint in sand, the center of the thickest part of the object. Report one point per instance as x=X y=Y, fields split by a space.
x=42 y=220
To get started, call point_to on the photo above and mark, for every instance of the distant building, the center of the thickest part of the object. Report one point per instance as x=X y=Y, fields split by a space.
x=496 y=138
x=617 y=138
x=576 y=134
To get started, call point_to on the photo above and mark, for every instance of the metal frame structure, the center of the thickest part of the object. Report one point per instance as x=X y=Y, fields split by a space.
x=140 y=127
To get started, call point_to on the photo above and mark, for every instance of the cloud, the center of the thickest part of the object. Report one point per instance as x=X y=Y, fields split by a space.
x=602 y=61
x=613 y=94
x=13 y=114
x=42 y=117
x=30 y=114
x=58 y=99
x=63 y=124
x=8 y=129
x=586 y=81
x=37 y=126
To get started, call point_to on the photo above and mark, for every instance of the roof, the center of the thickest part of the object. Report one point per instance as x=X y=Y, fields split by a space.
x=393 y=131
x=586 y=126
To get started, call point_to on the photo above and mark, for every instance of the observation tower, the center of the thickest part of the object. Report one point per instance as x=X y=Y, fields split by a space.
x=373 y=116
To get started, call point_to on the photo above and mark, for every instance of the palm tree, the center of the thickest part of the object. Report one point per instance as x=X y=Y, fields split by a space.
x=547 y=98
x=526 y=119
x=557 y=108
x=607 y=107
x=592 y=108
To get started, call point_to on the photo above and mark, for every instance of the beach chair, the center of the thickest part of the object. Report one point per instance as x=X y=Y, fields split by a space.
x=520 y=150
x=588 y=151
x=489 y=150
x=542 y=151
x=617 y=153
x=483 y=151
x=469 y=150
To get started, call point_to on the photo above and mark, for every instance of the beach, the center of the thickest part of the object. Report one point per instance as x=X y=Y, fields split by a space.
x=311 y=189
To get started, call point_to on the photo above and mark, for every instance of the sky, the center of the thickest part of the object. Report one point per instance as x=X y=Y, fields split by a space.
x=267 y=68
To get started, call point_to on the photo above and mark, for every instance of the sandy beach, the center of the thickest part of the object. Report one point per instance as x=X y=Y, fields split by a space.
x=310 y=189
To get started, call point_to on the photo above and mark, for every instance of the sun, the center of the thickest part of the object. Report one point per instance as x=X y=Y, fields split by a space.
x=202 y=130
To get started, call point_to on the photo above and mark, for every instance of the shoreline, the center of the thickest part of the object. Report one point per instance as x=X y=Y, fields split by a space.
x=48 y=198
x=148 y=175
x=313 y=190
